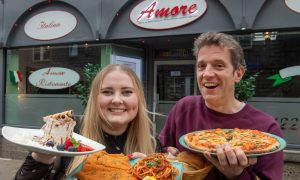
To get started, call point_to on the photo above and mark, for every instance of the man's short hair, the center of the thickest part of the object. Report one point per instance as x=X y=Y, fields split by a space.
x=224 y=41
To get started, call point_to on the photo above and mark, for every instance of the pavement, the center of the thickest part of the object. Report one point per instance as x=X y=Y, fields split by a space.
x=9 y=167
x=291 y=171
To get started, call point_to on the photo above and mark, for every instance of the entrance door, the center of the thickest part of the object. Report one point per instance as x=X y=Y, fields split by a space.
x=133 y=63
x=172 y=81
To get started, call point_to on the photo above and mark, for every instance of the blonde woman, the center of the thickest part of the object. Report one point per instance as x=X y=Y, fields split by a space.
x=116 y=116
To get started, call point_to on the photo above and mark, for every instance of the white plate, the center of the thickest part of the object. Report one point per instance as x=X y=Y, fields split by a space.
x=23 y=137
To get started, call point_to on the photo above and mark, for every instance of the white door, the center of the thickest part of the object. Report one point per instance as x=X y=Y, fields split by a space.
x=133 y=63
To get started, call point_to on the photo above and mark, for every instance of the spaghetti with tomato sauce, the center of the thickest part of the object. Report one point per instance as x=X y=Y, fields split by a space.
x=155 y=165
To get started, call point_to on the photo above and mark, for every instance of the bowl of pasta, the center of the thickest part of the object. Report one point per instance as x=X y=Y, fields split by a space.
x=157 y=166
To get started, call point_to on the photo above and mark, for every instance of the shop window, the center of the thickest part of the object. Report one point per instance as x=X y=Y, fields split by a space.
x=73 y=50
x=178 y=53
x=51 y=57
x=175 y=81
x=41 y=54
x=245 y=41
x=37 y=83
x=274 y=55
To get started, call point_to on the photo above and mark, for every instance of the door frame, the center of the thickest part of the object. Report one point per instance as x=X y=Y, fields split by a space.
x=155 y=100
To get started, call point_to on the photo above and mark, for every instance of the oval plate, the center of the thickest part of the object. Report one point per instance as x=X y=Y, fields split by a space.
x=9 y=133
x=281 y=141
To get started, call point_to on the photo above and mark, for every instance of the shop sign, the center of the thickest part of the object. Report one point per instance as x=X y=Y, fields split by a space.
x=53 y=78
x=167 y=14
x=50 y=25
x=293 y=5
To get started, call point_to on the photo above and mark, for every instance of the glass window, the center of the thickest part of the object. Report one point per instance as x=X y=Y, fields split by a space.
x=175 y=81
x=275 y=55
x=42 y=54
x=177 y=53
x=26 y=102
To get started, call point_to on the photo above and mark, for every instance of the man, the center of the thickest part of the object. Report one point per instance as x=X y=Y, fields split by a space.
x=220 y=65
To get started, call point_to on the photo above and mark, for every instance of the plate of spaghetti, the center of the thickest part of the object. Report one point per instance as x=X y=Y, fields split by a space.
x=158 y=166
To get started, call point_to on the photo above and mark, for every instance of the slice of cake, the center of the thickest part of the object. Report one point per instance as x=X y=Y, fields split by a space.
x=58 y=127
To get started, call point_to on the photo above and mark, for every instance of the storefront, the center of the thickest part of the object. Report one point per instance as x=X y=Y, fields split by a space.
x=46 y=46
x=155 y=38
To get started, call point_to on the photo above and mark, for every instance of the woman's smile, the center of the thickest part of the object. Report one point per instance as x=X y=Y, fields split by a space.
x=119 y=110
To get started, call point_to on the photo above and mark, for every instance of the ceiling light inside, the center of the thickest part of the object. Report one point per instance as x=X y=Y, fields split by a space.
x=262 y=36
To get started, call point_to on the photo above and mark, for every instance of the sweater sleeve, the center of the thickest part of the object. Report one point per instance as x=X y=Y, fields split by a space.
x=267 y=167
x=32 y=169
x=248 y=174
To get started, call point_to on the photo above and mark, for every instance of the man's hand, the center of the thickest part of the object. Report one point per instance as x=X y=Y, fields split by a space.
x=136 y=155
x=230 y=162
x=172 y=150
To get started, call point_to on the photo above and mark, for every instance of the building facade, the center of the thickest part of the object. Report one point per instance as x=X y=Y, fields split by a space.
x=44 y=46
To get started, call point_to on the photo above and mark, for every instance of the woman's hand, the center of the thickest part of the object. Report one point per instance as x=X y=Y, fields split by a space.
x=172 y=150
x=231 y=162
x=136 y=155
x=43 y=158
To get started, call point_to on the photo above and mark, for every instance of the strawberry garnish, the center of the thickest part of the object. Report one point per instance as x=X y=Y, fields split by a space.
x=68 y=143
x=80 y=148
x=76 y=144
x=87 y=148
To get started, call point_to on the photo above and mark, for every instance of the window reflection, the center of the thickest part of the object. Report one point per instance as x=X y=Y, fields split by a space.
x=269 y=57
x=28 y=60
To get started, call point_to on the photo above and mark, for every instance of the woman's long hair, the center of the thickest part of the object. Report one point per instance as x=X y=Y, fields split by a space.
x=139 y=138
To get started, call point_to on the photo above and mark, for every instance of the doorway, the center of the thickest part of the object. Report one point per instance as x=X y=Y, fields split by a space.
x=172 y=81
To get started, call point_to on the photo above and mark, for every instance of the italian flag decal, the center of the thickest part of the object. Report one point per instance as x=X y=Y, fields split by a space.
x=15 y=76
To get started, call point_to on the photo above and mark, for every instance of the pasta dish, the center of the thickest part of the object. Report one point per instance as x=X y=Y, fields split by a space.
x=155 y=165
